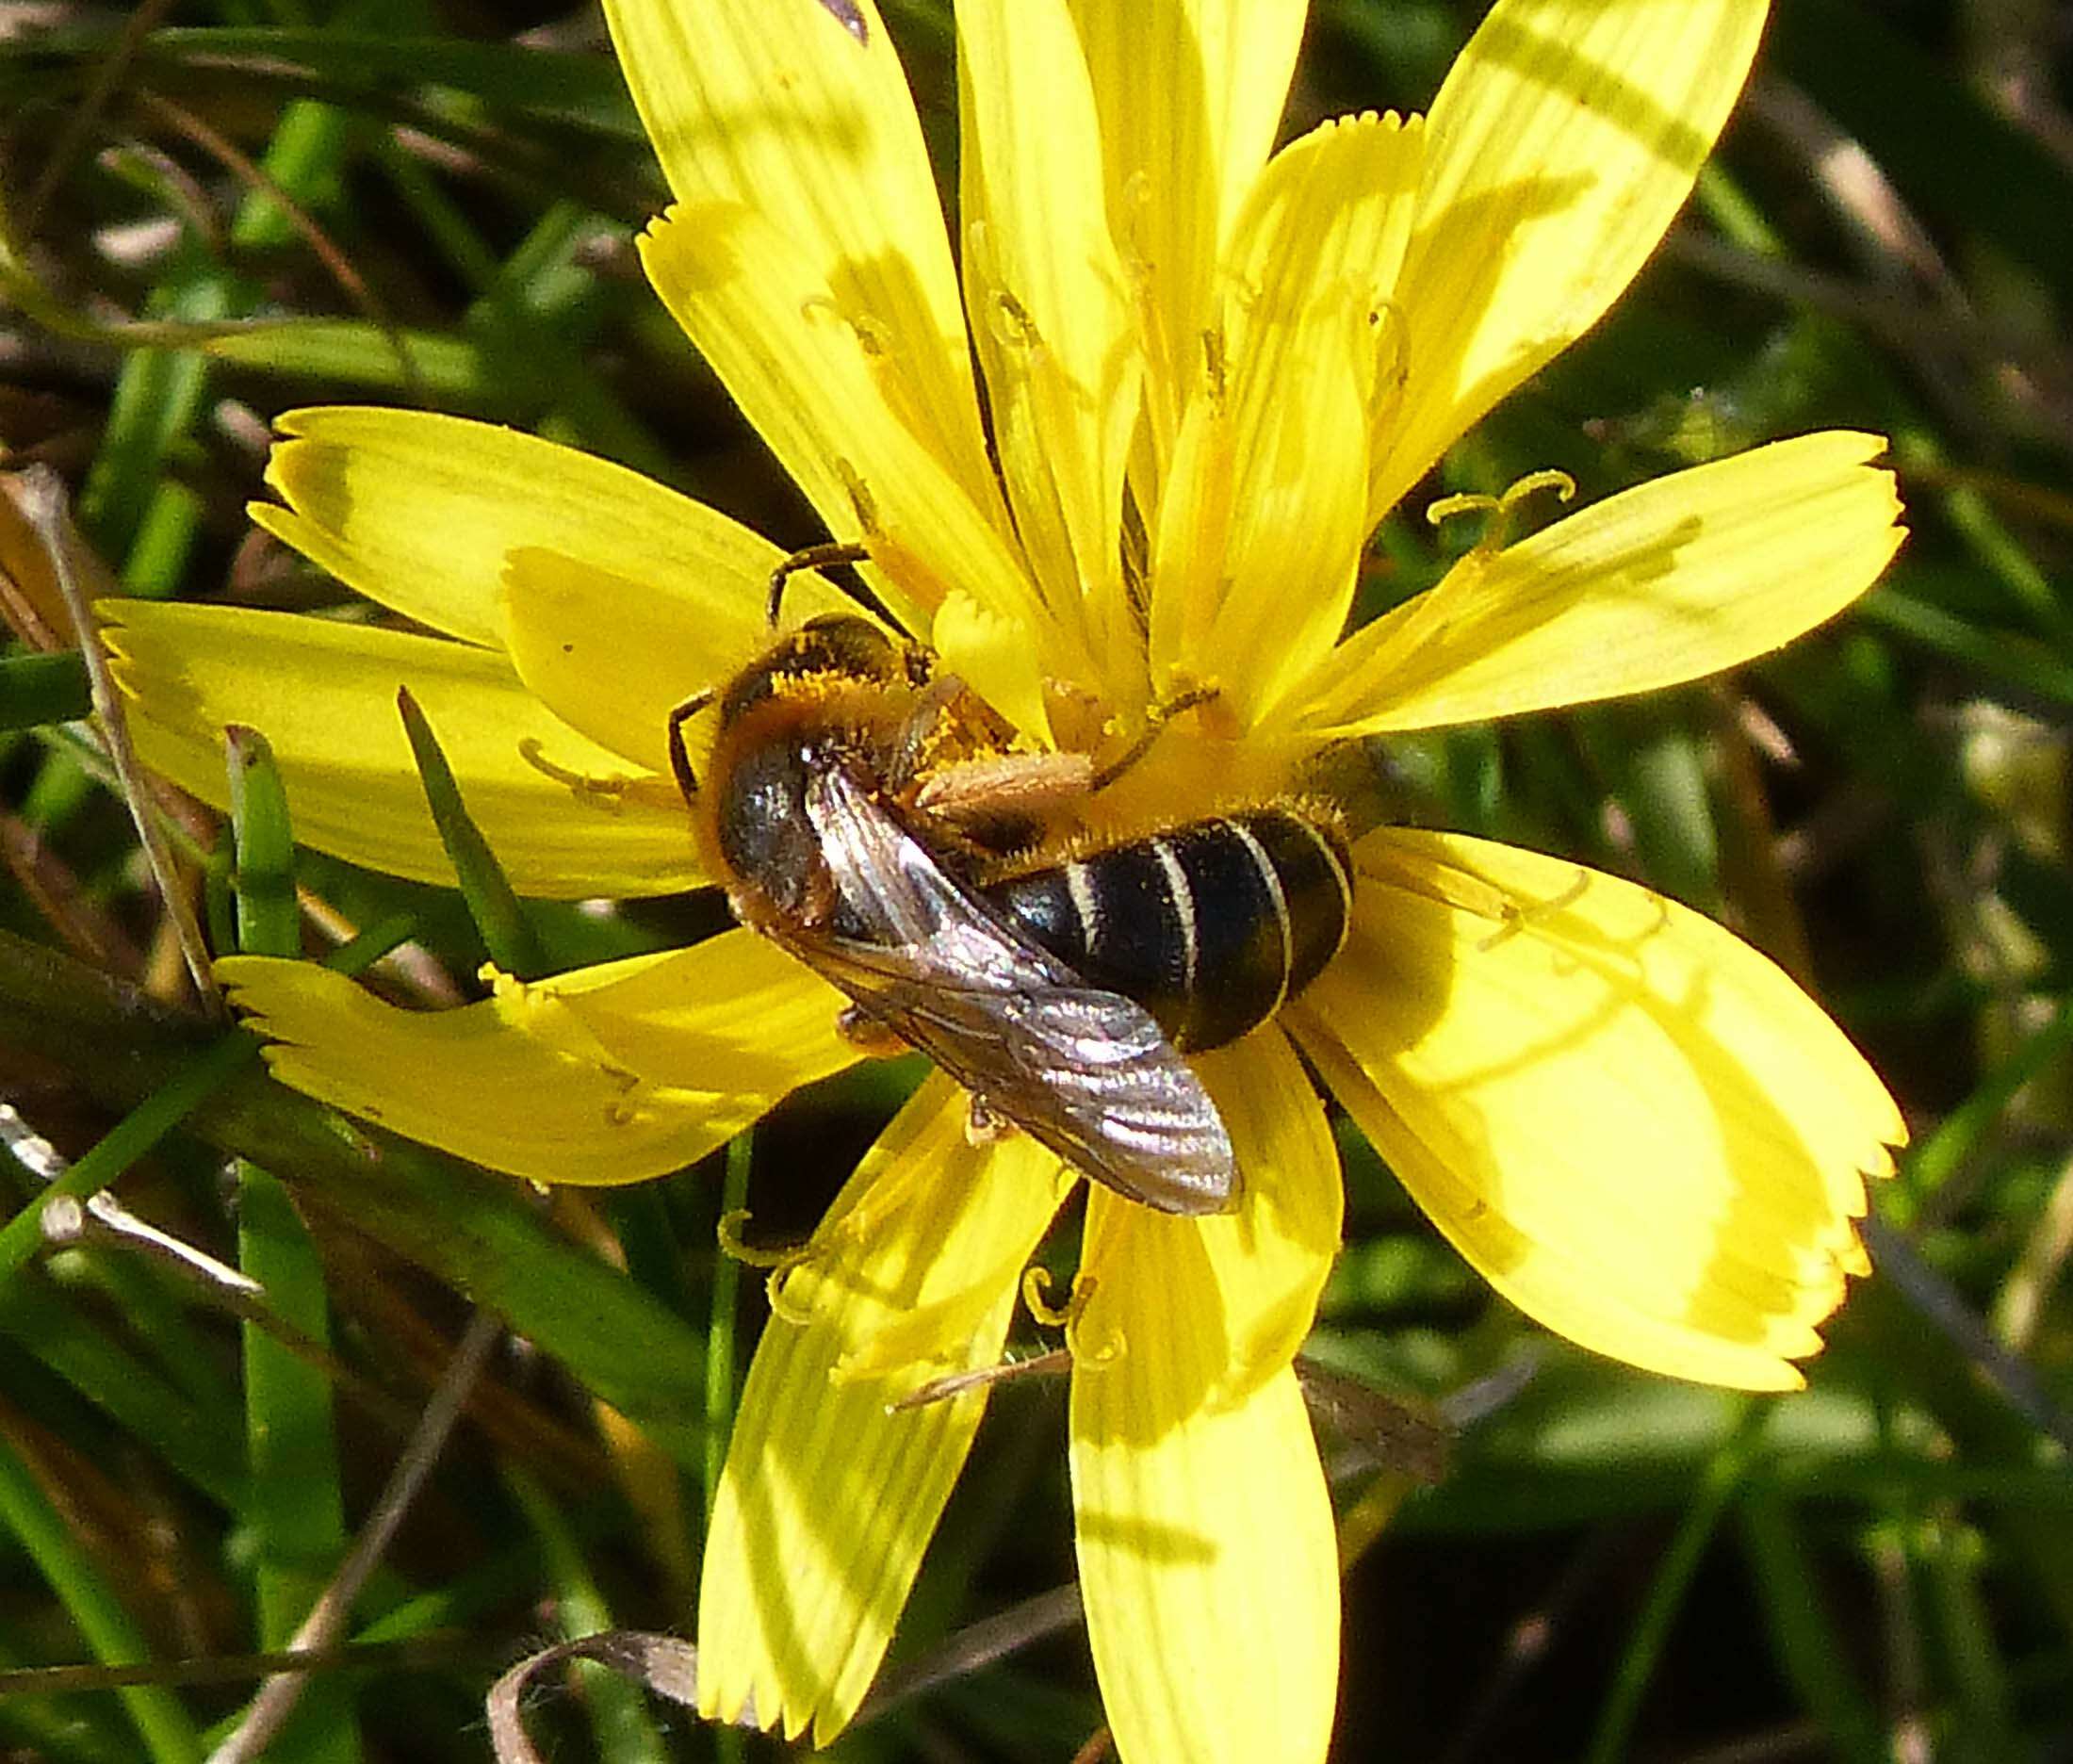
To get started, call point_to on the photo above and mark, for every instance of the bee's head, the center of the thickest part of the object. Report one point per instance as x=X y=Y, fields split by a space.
x=834 y=646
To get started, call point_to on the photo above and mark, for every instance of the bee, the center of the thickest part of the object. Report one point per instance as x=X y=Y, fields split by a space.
x=869 y=815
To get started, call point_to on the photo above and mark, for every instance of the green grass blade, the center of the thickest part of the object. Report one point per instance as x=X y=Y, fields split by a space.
x=112 y=1635
x=36 y=689
x=295 y=1511
x=1933 y=1161
x=721 y=1348
x=164 y=1419
x=269 y=922
x=357 y=351
x=157 y=1116
x=493 y=905
x=478 y=1230
x=1805 y=1644
x=1666 y=1593
x=624 y=1729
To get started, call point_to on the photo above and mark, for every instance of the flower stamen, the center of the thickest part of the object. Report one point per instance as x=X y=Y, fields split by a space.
x=737 y=1247
x=873 y=336
x=608 y=793
x=782 y=1264
x=1037 y=1298
x=1393 y=332
x=1156 y=718
x=1100 y=1354
x=1496 y=531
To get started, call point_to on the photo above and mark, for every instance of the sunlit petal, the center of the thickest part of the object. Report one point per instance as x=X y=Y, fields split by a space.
x=1189 y=93
x=1207 y=1561
x=1204 y=1531
x=613 y=655
x=1565 y=139
x=551 y=1087
x=1670 y=582
x=1634 y=1125
x=830 y=1497
x=811 y=379
x=1272 y=1255
x=1053 y=317
x=425 y=513
x=323 y=693
x=732 y=1014
x=1310 y=347
x=772 y=111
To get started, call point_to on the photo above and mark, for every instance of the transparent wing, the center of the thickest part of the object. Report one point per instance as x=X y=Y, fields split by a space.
x=1085 y=1071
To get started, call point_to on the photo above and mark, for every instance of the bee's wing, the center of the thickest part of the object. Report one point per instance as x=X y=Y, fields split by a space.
x=1085 y=1071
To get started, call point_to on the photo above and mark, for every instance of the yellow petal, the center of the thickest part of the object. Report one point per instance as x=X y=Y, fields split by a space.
x=1189 y=93
x=1299 y=522
x=996 y=658
x=1206 y=1553
x=1666 y=582
x=423 y=514
x=779 y=110
x=613 y=655
x=893 y=1314
x=828 y=1497
x=1273 y=1255
x=1636 y=1127
x=1566 y=136
x=1052 y=319
x=1204 y=1532
x=546 y=1086
x=1191 y=545
x=1311 y=344
x=323 y=693
x=734 y=1015
x=808 y=371
x=806 y=258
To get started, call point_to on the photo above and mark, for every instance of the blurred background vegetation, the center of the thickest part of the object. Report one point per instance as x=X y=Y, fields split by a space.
x=442 y=194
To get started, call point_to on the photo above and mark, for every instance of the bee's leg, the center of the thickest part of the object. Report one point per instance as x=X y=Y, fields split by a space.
x=868 y=1036
x=984 y=1124
x=680 y=762
x=1155 y=720
x=813 y=556
x=919 y=725
x=1052 y=1365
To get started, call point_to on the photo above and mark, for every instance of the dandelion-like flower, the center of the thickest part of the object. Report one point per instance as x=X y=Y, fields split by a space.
x=1208 y=368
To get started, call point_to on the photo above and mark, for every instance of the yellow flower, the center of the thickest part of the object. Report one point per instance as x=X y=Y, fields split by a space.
x=1208 y=369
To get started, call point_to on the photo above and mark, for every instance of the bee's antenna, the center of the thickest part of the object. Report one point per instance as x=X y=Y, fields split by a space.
x=819 y=557
x=1155 y=720
x=679 y=760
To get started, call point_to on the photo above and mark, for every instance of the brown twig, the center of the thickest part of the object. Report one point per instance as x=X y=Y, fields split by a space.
x=320 y=1629
x=142 y=21
x=40 y=495
x=248 y=170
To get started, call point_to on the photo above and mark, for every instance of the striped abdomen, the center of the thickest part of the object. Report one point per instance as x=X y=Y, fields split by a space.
x=1210 y=926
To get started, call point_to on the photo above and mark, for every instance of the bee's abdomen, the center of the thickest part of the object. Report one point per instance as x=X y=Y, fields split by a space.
x=1210 y=926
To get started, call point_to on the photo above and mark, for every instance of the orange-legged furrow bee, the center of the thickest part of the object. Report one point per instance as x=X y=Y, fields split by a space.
x=869 y=814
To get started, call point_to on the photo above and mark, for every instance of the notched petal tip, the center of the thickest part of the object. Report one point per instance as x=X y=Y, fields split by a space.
x=1678 y=578
x=830 y=1493
x=520 y=1082
x=1633 y=1124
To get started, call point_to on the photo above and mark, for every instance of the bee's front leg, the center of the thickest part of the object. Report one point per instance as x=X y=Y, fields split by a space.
x=984 y=1124
x=870 y=1038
